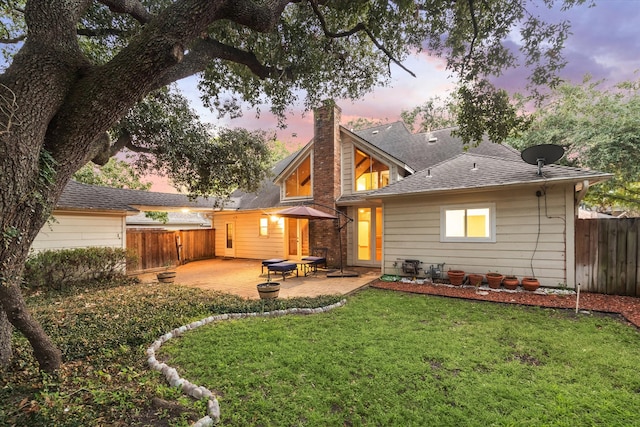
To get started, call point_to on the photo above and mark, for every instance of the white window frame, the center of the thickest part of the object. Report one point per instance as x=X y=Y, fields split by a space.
x=492 y=223
x=264 y=227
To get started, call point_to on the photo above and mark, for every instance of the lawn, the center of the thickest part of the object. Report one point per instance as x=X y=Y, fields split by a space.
x=389 y=358
x=103 y=331
x=385 y=358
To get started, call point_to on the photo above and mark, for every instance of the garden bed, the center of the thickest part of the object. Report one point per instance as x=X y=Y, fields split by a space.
x=628 y=307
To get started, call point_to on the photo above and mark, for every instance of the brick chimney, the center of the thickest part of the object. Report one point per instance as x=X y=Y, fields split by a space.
x=326 y=180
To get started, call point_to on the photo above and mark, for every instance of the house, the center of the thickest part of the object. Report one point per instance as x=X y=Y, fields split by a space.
x=182 y=220
x=400 y=195
x=90 y=215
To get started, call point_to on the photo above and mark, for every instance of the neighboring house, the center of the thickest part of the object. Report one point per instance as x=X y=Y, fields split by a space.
x=89 y=215
x=411 y=196
x=176 y=221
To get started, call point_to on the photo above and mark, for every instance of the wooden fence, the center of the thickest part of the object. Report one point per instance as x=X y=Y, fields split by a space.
x=607 y=255
x=159 y=248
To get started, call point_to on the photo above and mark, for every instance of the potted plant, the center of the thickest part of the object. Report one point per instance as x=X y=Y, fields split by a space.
x=456 y=277
x=510 y=282
x=494 y=279
x=168 y=275
x=268 y=289
x=530 y=283
x=475 y=279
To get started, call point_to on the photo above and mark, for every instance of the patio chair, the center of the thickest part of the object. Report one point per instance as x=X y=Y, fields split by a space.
x=318 y=257
x=267 y=262
x=282 y=267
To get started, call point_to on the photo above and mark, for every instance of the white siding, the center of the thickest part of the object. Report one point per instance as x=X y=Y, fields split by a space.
x=412 y=231
x=68 y=231
x=248 y=242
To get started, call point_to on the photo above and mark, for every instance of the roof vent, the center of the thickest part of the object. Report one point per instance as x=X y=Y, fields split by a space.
x=431 y=139
x=429 y=173
x=375 y=132
x=475 y=166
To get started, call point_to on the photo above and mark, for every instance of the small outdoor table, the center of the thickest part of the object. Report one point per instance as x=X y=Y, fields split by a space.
x=307 y=266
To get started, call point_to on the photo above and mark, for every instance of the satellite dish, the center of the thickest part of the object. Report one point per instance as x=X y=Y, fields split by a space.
x=544 y=154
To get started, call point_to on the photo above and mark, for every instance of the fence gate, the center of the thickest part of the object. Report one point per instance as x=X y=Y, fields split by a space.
x=607 y=255
x=160 y=248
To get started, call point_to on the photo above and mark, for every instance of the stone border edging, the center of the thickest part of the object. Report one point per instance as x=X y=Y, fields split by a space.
x=198 y=392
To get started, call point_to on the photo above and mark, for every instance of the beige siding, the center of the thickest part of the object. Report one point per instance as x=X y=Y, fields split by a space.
x=67 y=231
x=347 y=166
x=412 y=231
x=248 y=243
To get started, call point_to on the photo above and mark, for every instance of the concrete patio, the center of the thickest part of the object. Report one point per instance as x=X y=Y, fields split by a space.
x=240 y=277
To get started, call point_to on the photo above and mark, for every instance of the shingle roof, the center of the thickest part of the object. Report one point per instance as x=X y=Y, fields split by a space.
x=439 y=151
x=422 y=150
x=458 y=174
x=269 y=194
x=93 y=197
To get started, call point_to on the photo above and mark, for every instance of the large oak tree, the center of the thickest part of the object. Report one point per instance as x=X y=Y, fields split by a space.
x=76 y=68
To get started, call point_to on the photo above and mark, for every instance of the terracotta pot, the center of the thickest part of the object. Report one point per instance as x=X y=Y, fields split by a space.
x=475 y=279
x=530 y=283
x=166 y=276
x=456 y=277
x=510 y=282
x=268 y=290
x=494 y=280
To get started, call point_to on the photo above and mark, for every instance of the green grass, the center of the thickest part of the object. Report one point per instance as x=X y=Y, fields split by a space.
x=393 y=359
x=103 y=332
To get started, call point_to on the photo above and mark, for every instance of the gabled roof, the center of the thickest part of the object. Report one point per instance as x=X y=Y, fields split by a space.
x=422 y=150
x=269 y=194
x=459 y=173
x=77 y=196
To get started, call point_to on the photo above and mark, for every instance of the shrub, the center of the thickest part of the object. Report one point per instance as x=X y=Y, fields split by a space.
x=56 y=269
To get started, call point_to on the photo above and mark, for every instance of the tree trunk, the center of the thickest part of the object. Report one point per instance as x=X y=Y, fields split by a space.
x=46 y=353
x=5 y=339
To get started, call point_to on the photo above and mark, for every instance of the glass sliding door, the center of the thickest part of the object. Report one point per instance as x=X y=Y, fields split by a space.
x=369 y=235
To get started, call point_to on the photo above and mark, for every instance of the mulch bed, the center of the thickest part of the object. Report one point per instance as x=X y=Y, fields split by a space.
x=628 y=307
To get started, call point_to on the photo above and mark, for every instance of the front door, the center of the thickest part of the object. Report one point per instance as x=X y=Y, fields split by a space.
x=369 y=236
x=229 y=247
x=297 y=238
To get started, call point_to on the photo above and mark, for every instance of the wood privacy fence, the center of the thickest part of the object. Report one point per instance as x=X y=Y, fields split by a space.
x=608 y=255
x=159 y=248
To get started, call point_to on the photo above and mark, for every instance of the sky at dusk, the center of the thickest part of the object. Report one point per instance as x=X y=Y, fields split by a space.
x=605 y=43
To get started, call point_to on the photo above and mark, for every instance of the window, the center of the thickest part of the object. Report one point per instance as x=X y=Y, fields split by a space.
x=298 y=184
x=264 y=227
x=370 y=173
x=472 y=223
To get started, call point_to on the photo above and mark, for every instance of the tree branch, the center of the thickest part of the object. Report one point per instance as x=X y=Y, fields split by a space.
x=88 y=32
x=123 y=141
x=15 y=40
x=355 y=29
x=130 y=7
x=137 y=149
x=474 y=22
x=205 y=50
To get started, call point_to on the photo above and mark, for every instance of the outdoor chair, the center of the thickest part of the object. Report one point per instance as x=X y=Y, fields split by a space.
x=282 y=267
x=318 y=257
x=267 y=262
